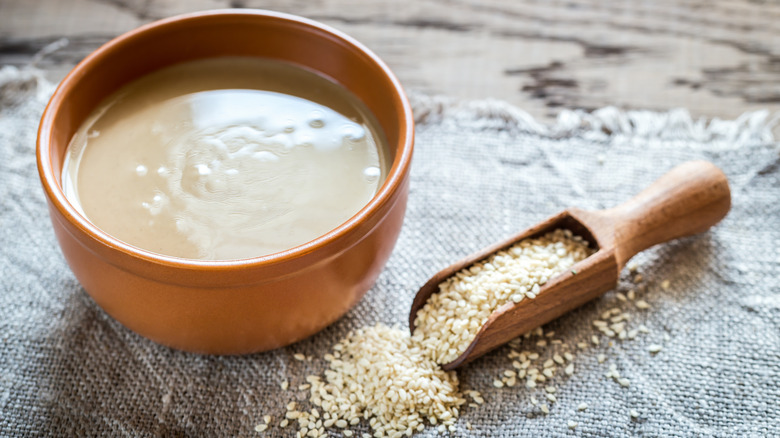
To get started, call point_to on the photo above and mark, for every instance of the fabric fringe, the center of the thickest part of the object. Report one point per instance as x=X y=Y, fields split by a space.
x=752 y=127
x=601 y=125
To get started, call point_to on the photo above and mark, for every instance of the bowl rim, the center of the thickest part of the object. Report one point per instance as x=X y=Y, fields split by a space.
x=52 y=186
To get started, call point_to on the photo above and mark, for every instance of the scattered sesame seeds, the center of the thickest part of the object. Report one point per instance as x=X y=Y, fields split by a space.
x=285 y=385
x=654 y=348
x=350 y=390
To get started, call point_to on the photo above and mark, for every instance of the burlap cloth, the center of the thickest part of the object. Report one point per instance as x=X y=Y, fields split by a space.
x=482 y=170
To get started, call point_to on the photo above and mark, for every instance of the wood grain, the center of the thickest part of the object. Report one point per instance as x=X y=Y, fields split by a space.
x=717 y=58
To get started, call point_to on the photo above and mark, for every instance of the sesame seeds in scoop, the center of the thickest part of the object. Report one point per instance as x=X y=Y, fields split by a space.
x=451 y=318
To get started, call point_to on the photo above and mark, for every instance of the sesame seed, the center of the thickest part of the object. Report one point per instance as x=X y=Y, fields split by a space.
x=642 y=304
x=261 y=428
x=665 y=285
x=285 y=385
x=634 y=414
x=582 y=406
x=572 y=424
x=654 y=348
x=624 y=382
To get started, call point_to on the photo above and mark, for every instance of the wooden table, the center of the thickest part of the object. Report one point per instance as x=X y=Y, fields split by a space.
x=718 y=58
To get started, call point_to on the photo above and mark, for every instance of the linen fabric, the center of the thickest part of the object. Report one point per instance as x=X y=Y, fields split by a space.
x=482 y=170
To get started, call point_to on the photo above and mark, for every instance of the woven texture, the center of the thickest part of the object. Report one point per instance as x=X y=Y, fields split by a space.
x=482 y=170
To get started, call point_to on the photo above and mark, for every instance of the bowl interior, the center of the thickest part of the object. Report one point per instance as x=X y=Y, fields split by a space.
x=225 y=33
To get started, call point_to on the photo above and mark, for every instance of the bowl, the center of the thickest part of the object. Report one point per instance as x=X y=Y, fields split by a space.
x=232 y=306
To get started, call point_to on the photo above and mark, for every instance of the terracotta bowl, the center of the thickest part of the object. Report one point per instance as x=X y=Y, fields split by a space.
x=236 y=306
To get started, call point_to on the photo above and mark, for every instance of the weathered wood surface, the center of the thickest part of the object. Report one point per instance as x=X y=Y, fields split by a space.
x=718 y=58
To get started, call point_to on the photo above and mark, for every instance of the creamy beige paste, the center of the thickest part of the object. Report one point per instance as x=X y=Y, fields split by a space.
x=225 y=158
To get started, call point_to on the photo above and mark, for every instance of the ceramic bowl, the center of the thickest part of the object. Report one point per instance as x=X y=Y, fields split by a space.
x=235 y=306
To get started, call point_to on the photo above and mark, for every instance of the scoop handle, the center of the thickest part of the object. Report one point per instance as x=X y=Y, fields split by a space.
x=687 y=200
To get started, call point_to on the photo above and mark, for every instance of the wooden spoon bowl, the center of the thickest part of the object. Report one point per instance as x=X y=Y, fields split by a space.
x=687 y=200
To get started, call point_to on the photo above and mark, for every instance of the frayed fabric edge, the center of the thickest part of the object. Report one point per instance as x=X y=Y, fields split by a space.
x=754 y=127
x=20 y=84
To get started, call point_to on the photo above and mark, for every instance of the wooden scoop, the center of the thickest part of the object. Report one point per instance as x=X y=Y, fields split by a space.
x=687 y=200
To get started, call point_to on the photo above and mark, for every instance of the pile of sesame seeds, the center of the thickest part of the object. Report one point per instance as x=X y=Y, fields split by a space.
x=381 y=376
x=451 y=318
